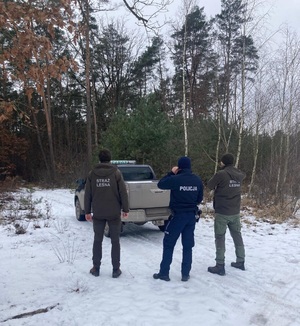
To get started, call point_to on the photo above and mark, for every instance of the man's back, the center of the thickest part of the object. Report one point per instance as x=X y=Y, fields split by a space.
x=105 y=191
x=226 y=184
x=186 y=190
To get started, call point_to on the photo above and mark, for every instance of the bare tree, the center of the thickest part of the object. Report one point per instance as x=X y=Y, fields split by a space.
x=287 y=84
x=147 y=11
x=187 y=6
x=262 y=100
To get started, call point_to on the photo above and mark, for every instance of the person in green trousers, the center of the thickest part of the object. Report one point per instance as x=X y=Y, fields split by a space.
x=226 y=185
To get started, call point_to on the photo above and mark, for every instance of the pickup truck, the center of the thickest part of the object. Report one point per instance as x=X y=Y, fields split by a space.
x=147 y=203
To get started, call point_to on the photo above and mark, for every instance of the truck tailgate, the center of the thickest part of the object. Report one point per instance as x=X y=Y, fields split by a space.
x=146 y=194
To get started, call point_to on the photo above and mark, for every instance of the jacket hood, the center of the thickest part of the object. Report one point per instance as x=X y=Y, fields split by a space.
x=104 y=169
x=234 y=173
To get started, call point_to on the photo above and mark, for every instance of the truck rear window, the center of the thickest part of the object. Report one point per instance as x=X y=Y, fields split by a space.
x=136 y=173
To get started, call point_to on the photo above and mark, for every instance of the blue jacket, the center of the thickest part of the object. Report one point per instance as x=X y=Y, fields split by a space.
x=186 y=190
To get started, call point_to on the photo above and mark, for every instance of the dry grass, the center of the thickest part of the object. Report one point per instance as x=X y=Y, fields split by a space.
x=10 y=184
x=271 y=212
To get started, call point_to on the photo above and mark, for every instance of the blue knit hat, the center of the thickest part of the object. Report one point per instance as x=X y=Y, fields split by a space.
x=184 y=163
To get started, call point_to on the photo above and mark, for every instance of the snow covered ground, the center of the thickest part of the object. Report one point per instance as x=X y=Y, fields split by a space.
x=44 y=275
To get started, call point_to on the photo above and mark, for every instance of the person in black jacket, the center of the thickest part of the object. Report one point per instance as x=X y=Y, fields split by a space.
x=186 y=194
x=226 y=185
x=106 y=196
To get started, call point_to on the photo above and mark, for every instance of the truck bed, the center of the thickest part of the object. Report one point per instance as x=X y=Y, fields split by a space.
x=146 y=194
x=146 y=201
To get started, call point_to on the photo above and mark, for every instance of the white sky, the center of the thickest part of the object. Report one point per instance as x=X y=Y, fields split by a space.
x=280 y=11
x=286 y=12
x=48 y=266
x=276 y=13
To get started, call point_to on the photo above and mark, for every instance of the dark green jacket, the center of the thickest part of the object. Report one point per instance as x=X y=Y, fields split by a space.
x=105 y=192
x=227 y=186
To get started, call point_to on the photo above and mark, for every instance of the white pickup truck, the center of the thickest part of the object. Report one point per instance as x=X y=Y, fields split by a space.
x=147 y=203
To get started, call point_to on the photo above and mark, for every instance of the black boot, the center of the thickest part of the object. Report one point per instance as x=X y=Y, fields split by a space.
x=95 y=271
x=116 y=273
x=185 y=278
x=239 y=265
x=158 y=276
x=218 y=269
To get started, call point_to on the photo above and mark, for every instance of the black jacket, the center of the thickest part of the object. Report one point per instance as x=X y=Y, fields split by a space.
x=226 y=184
x=105 y=192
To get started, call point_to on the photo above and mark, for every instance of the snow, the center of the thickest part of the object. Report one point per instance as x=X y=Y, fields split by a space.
x=48 y=267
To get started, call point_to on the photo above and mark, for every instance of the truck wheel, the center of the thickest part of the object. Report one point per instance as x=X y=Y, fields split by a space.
x=106 y=230
x=80 y=216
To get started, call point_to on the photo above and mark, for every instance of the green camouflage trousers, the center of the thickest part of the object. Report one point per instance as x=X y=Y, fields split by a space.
x=234 y=225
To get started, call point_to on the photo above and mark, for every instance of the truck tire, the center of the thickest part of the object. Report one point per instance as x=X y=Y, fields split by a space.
x=80 y=216
x=106 y=230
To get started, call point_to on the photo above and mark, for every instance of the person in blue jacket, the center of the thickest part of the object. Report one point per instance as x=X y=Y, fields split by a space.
x=185 y=196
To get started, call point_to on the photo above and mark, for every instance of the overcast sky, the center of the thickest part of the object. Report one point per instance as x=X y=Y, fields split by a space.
x=280 y=11
x=287 y=11
x=277 y=13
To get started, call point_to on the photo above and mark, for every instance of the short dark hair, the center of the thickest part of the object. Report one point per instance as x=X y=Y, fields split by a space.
x=104 y=156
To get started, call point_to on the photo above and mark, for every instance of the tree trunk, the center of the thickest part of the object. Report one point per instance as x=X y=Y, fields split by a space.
x=86 y=15
x=255 y=156
x=94 y=113
x=50 y=138
x=184 y=108
x=38 y=135
x=242 y=117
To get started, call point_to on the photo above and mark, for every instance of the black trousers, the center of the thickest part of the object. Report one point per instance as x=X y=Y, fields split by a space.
x=114 y=230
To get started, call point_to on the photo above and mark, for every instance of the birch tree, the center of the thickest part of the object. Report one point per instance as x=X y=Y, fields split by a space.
x=237 y=61
x=192 y=67
x=287 y=84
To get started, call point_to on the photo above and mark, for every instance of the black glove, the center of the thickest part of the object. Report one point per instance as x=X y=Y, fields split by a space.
x=198 y=215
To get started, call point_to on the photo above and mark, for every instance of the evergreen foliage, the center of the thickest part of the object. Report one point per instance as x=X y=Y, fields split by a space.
x=136 y=103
